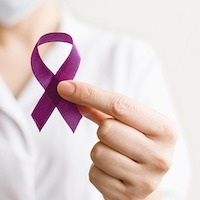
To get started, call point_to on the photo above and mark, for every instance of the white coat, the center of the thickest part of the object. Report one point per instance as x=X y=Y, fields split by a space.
x=54 y=164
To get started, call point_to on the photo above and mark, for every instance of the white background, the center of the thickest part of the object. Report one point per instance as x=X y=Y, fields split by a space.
x=172 y=27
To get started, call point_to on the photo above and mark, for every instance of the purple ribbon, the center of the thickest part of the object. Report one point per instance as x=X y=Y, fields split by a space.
x=51 y=99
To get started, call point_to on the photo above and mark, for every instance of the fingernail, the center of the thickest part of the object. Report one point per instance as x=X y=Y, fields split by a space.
x=66 y=88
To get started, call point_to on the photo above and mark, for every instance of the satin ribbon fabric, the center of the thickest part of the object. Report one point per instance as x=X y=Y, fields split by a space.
x=51 y=99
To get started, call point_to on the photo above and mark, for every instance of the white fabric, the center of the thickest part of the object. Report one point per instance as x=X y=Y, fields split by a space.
x=54 y=164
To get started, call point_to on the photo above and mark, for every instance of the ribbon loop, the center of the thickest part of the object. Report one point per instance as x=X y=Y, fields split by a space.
x=51 y=99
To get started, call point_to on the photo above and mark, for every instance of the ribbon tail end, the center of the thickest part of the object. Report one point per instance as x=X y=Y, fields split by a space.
x=75 y=123
x=37 y=122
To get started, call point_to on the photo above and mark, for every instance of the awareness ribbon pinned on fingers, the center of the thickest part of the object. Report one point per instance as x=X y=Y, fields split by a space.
x=51 y=99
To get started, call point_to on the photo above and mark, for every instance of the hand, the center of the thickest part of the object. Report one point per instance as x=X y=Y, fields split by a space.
x=136 y=143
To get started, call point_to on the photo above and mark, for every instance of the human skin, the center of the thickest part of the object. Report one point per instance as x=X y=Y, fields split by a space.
x=18 y=41
x=135 y=147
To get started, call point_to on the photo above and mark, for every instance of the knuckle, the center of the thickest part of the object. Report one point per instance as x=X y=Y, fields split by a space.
x=140 y=190
x=96 y=152
x=120 y=106
x=161 y=164
x=104 y=129
x=148 y=185
x=113 y=196
x=130 y=193
x=169 y=131
x=92 y=174
x=85 y=94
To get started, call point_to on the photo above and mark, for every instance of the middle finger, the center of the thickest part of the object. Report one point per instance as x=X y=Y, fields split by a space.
x=125 y=139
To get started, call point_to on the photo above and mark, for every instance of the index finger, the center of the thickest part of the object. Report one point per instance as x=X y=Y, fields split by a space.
x=116 y=105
